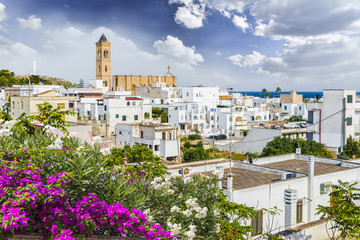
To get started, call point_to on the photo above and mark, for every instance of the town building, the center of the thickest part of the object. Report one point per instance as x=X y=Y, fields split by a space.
x=294 y=184
x=103 y=61
x=162 y=139
x=29 y=104
x=335 y=118
x=122 y=109
x=129 y=82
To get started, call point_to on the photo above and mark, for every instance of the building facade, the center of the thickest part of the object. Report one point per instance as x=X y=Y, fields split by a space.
x=103 y=61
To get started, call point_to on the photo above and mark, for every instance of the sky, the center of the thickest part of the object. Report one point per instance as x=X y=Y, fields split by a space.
x=248 y=45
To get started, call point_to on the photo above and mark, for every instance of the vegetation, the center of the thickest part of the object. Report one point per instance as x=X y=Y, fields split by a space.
x=295 y=118
x=282 y=145
x=62 y=188
x=197 y=153
x=343 y=214
x=351 y=148
x=7 y=79
x=158 y=113
x=50 y=116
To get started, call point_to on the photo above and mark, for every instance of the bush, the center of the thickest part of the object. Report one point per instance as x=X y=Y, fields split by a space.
x=283 y=145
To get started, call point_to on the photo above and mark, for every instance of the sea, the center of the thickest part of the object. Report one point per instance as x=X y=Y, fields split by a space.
x=277 y=94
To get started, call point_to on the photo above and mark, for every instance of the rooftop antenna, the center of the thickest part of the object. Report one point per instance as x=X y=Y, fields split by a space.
x=34 y=72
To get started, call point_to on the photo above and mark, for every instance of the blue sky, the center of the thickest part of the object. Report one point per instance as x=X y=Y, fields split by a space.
x=244 y=44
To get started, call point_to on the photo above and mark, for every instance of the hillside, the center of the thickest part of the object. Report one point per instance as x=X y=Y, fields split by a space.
x=7 y=79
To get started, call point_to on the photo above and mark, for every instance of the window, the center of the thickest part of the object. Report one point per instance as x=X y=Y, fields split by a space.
x=156 y=148
x=264 y=117
x=182 y=126
x=136 y=117
x=22 y=105
x=124 y=117
x=299 y=108
x=299 y=211
x=187 y=94
x=71 y=105
x=142 y=134
x=120 y=132
x=128 y=103
x=212 y=117
x=349 y=99
x=163 y=135
x=256 y=223
x=134 y=103
x=105 y=68
x=104 y=107
x=285 y=107
x=117 y=115
x=349 y=121
x=230 y=119
x=99 y=117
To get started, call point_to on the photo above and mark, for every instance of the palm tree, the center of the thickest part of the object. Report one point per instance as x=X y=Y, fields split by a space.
x=264 y=91
x=278 y=90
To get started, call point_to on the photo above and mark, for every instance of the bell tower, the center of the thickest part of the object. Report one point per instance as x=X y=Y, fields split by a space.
x=103 y=61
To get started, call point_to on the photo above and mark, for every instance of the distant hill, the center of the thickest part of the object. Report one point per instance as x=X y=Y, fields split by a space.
x=7 y=79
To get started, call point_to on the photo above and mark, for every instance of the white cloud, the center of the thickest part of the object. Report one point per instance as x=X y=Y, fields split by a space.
x=240 y=22
x=304 y=18
x=329 y=59
x=32 y=22
x=3 y=15
x=173 y=48
x=16 y=55
x=247 y=61
x=191 y=15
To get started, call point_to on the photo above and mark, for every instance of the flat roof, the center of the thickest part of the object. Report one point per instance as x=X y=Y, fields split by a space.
x=292 y=165
x=243 y=178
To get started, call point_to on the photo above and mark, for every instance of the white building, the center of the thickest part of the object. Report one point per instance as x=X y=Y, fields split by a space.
x=26 y=90
x=125 y=109
x=160 y=138
x=207 y=96
x=295 y=184
x=334 y=119
x=294 y=109
x=192 y=116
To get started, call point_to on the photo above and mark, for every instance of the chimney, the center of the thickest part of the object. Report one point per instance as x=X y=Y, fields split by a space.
x=220 y=176
x=230 y=186
x=290 y=198
x=310 y=186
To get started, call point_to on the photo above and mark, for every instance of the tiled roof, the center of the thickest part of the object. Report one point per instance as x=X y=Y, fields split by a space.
x=132 y=98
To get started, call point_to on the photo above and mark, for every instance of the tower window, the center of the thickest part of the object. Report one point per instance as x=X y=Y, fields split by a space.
x=106 y=54
x=105 y=68
x=99 y=68
x=99 y=54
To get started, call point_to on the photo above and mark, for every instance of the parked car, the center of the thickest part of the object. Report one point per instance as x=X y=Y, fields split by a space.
x=218 y=137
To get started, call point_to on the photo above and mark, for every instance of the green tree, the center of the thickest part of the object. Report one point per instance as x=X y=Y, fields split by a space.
x=264 y=91
x=187 y=145
x=54 y=117
x=351 y=148
x=278 y=89
x=343 y=210
x=143 y=157
x=164 y=117
x=283 y=145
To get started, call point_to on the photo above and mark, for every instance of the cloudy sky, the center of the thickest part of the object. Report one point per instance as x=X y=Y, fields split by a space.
x=244 y=44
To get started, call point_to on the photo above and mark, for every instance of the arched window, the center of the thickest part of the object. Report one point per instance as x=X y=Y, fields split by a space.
x=134 y=103
x=99 y=54
x=106 y=54
x=105 y=68
x=99 y=68
x=128 y=103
